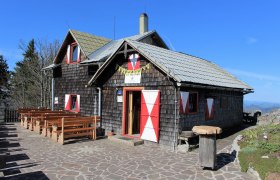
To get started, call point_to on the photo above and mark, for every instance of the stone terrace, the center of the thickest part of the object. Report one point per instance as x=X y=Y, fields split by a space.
x=31 y=156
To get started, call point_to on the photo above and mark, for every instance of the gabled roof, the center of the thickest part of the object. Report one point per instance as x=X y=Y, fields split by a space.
x=87 y=42
x=181 y=67
x=106 y=50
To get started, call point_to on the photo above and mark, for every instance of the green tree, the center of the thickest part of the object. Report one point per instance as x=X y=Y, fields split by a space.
x=30 y=85
x=4 y=77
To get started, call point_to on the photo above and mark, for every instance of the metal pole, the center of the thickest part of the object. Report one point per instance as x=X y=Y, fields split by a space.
x=99 y=101
x=175 y=116
x=53 y=93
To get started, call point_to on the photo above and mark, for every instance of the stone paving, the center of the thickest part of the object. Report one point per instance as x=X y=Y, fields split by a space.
x=31 y=156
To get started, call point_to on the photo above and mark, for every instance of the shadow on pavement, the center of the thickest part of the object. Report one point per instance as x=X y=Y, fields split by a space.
x=38 y=175
x=225 y=158
x=12 y=155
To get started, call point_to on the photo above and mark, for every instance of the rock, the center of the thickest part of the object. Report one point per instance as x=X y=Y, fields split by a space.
x=265 y=157
x=273 y=176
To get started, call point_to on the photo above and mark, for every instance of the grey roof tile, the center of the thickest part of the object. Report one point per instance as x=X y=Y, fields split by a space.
x=105 y=51
x=188 y=68
x=89 y=42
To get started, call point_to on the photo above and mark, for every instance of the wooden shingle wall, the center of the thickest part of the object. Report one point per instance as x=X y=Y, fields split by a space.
x=73 y=80
x=152 y=79
x=224 y=117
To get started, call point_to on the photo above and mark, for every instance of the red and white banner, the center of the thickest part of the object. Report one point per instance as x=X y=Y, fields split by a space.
x=133 y=62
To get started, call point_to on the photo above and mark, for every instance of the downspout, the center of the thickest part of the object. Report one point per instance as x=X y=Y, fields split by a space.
x=53 y=93
x=99 y=101
x=175 y=118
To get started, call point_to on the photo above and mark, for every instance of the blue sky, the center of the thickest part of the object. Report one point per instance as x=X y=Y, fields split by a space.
x=242 y=36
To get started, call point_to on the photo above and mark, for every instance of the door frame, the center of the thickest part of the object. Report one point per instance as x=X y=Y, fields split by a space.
x=125 y=90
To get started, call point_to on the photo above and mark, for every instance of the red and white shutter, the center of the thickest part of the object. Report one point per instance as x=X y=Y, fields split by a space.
x=150 y=107
x=67 y=105
x=78 y=103
x=68 y=54
x=209 y=108
x=79 y=54
x=184 y=101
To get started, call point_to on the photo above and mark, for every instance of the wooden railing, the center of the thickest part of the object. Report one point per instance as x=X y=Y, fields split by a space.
x=11 y=115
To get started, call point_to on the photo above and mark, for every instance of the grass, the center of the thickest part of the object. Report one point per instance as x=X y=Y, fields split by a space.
x=254 y=145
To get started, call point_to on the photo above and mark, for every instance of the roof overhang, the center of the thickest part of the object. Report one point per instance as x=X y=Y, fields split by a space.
x=49 y=67
x=107 y=62
x=205 y=86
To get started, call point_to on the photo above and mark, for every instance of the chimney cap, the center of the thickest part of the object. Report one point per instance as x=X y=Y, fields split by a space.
x=144 y=14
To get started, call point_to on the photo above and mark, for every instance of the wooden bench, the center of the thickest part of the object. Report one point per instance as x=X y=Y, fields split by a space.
x=24 y=111
x=28 y=117
x=41 y=124
x=75 y=127
x=35 y=115
x=186 y=136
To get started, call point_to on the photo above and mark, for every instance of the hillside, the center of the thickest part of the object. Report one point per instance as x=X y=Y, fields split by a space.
x=265 y=107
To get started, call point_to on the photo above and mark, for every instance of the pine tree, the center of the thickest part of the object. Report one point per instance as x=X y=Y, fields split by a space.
x=4 y=73
x=30 y=85
x=26 y=78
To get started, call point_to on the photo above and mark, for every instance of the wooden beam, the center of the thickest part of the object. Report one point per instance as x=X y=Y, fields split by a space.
x=126 y=51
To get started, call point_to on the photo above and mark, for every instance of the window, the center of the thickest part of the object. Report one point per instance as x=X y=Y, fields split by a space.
x=73 y=53
x=72 y=102
x=188 y=102
x=192 y=107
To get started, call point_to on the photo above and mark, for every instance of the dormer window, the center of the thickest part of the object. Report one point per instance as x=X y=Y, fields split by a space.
x=73 y=53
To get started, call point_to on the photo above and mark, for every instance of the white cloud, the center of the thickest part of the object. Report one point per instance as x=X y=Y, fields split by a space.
x=255 y=75
x=252 y=40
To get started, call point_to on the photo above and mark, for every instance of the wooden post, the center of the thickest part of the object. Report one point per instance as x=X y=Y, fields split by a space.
x=61 y=135
x=25 y=123
x=37 y=126
x=54 y=133
x=207 y=150
x=44 y=129
x=94 y=128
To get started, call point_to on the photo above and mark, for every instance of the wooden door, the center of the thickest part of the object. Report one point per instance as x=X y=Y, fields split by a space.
x=130 y=112
x=150 y=107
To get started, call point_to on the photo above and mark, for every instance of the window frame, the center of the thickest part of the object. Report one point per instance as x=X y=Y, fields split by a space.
x=77 y=103
x=72 y=45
